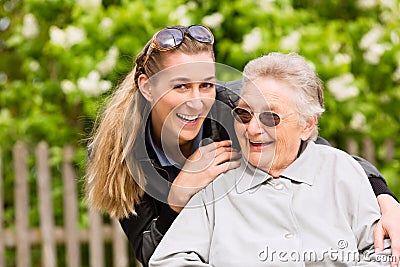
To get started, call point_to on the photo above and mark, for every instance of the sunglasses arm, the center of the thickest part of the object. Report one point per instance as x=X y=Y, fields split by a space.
x=148 y=53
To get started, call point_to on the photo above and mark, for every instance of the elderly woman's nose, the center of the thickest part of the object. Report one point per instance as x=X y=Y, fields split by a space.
x=254 y=126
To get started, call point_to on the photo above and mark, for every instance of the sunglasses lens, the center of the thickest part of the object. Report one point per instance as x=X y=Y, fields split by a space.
x=201 y=34
x=242 y=115
x=169 y=38
x=270 y=119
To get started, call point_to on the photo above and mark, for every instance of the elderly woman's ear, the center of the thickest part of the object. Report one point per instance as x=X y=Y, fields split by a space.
x=144 y=87
x=308 y=128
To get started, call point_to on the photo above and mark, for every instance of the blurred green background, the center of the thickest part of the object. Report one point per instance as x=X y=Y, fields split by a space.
x=60 y=59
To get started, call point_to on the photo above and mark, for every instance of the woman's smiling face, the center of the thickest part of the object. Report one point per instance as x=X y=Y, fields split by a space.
x=271 y=149
x=183 y=94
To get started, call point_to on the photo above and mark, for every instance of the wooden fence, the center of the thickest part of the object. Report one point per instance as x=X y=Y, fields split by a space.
x=48 y=235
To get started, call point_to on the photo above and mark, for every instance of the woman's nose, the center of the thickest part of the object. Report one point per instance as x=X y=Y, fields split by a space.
x=195 y=104
x=254 y=126
x=196 y=101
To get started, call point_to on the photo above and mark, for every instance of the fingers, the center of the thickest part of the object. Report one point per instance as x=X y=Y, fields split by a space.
x=216 y=145
x=379 y=235
x=231 y=155
x=395 y=247
x=226 y=167
x=213 y=154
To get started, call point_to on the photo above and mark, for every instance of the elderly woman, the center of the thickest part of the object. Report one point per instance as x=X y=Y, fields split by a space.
x=291 y=202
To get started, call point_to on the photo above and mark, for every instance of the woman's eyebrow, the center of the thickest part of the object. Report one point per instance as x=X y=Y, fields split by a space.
x=188 y=80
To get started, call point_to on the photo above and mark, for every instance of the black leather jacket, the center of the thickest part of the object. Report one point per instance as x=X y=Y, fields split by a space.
x=146 y=229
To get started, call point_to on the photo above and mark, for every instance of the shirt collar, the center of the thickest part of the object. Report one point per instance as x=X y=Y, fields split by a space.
x=303 y=170
x=164 y=159
x=249 y=176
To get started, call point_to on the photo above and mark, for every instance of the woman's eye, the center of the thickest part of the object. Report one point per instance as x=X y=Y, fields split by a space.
x=180 y=86
x=207 y=85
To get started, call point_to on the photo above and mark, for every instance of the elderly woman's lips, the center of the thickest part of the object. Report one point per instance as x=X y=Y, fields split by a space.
x=259 y=145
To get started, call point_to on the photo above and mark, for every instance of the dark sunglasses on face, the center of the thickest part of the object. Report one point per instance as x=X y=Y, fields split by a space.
x=171 y=37
x=268 y=118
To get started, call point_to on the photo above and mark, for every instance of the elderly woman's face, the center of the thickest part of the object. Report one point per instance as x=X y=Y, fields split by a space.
x=271 y=149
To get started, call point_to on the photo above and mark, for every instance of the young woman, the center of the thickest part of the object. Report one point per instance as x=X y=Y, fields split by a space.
x=145 y=157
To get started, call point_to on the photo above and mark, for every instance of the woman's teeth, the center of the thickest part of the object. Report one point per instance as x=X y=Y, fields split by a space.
x=259 y=143
x=187 y=117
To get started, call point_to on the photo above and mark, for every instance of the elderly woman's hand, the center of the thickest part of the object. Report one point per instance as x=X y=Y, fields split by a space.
x=388 y=226
x=202 y=167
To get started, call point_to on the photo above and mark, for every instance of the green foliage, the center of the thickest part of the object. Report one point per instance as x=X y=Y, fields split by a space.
x=61 y=58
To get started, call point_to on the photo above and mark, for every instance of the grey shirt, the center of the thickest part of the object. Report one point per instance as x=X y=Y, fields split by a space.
x=320 y=212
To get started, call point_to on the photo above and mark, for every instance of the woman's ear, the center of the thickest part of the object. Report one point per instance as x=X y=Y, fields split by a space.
x=308 y=128
x=144 y=87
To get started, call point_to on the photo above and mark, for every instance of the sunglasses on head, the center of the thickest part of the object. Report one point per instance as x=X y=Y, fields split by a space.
x=171 y=37
x=268 y=118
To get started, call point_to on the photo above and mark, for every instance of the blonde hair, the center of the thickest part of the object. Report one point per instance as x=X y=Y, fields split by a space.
x=115 y=181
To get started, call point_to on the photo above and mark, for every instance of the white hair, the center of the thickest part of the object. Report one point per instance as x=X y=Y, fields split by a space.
x=295 y=71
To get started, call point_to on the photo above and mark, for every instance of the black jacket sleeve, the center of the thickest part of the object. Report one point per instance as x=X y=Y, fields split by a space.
x=146 y=229
x=376 y=179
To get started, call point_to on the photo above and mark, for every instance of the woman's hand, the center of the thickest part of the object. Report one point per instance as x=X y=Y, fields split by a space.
x=200 y=169
x=388 y=226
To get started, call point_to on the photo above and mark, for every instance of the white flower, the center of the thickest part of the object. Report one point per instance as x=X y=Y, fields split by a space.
x=191 y=5
x=74 y=35
x=104 y=85
x=372 y=37
x=89 y=5
x=67 y=86
x=311 y=64
x=358 y=122
x=89 y=85
x=266 y=5
x=252 y=40
x=30 y=26
x=57 y=36
x=342 y=59
x=366 y=4
x=396 y=74
x=384 y=98
x=108 y=63
x=335 y=47
x=3 y=77
x=4 y=23
x=66 y=38
x=387 y=16
x=324 y=59
x=180 y=15
x=394 y=37
x=214 y=20
x=342 y=87
x=390 y=4
x=106 y=23
x=92 y=85
x=374 y=53
x=291 y=41
x=34 y=65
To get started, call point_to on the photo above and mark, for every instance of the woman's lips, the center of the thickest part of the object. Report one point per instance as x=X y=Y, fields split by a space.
x=259 y=145
x=188 y=120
